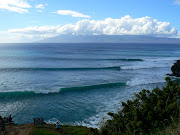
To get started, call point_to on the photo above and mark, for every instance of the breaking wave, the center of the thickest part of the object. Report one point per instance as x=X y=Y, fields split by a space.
x=78 y=88
x=98 y=86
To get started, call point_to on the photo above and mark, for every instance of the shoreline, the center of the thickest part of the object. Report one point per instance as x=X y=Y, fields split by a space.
x=50 y=129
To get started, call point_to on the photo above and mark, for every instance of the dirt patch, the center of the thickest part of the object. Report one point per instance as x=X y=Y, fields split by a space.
x=17 y=129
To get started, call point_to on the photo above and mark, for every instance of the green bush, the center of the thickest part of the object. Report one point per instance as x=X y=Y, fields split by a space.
x=148 y=111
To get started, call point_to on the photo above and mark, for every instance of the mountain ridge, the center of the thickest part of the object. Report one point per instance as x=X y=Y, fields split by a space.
x=108 y=39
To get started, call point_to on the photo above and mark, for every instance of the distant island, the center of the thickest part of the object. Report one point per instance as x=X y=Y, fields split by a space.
x=69 y=38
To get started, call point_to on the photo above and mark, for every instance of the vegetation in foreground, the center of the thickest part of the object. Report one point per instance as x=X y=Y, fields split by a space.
x=150 y=112
x=173 y=129
x=64 y=130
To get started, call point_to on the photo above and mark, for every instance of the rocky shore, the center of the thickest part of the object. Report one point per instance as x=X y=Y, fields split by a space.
x=176 y=69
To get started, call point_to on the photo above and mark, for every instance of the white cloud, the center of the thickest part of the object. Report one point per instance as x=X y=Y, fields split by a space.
x=41 y=6
x=36 y=30
x=33 y=33
x=39 y=10
x=72 y=13
x=123 y=26
x=177 y=2
x=20 y=6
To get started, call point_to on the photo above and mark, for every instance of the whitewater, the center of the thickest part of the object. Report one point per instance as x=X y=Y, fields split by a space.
x=78 y=84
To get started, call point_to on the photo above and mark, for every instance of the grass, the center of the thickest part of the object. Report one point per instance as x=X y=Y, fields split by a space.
x=37 y=131
x=76 y=130
x=64 y=130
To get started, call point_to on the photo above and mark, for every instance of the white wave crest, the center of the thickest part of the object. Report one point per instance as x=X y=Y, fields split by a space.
x=151 y=63
x=137 y=81
x=46 y=91
x=32 y=90
x=143 y=67
x=52 y=121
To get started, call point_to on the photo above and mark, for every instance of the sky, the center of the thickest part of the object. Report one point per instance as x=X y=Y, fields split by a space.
x=32 y=20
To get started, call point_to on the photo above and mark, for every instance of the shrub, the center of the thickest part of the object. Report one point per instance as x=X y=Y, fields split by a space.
x=148 y=111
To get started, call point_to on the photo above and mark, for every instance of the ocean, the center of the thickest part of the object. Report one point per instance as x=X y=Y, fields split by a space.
x=78 y=84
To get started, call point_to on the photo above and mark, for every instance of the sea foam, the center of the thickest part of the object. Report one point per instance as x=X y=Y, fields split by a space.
x=151 y=63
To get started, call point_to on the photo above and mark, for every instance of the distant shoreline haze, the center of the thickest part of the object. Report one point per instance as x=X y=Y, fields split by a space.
x=66 y=38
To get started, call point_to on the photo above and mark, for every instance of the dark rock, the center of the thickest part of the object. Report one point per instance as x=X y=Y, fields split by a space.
x=169 y=74
x=176 y=69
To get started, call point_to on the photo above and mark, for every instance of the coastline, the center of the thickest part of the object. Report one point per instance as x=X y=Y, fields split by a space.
x=30 y=129
x=46 y=129
x=145 y=67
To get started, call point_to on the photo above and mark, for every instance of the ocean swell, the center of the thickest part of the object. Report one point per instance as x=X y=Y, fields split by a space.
x=78 y=88
x=97 y=86
x=60 y=69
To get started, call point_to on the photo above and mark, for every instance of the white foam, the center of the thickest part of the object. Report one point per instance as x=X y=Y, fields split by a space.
x=46 y=91
x=96 y=121
x=162 y=59
x=143 y=67
x=137 y=81
x=32 y=90
x=53 y=121
x=148 y=77
x=151 y=63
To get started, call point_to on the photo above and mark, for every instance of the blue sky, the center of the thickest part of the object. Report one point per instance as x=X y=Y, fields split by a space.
x=30 y=20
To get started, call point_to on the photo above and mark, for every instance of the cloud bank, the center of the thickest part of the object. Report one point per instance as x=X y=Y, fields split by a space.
x=72 y=13
x=19 y=6
x=123 y=26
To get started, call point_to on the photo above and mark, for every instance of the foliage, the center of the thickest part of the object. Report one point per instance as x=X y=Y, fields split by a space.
x=173 y=129
x=78 y=130
x=148 y=111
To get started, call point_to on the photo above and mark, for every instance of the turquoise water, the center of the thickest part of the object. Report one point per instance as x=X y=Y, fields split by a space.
x=78 y=83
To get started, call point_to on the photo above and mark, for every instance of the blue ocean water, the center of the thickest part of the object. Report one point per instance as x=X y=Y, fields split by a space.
x=78 y=83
